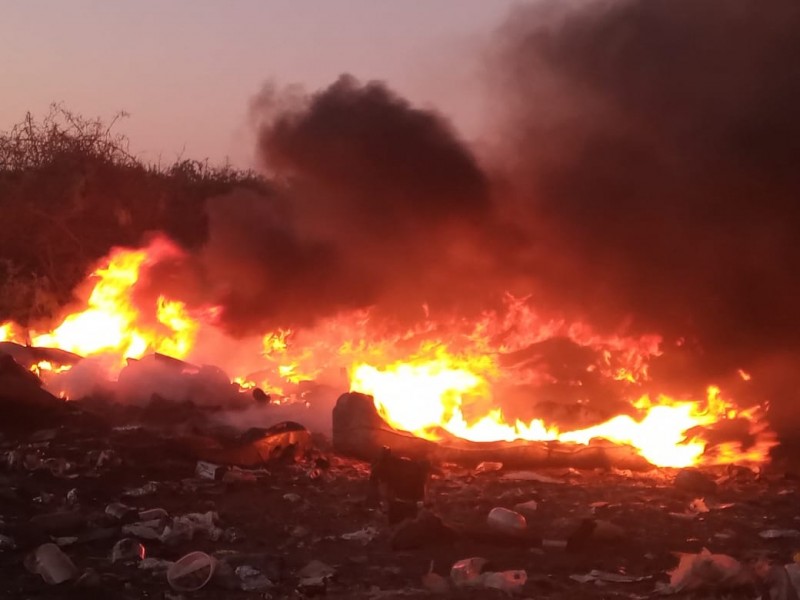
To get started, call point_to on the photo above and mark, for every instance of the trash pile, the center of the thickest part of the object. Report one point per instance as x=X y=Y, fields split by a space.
x=159 y=500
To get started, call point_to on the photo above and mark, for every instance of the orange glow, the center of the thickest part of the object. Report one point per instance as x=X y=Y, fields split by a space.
x=425 y=397
x=109 y=322
x=441 y=376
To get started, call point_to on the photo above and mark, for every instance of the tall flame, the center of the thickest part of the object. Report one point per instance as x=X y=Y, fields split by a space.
x=111 y=322
x=439 y=377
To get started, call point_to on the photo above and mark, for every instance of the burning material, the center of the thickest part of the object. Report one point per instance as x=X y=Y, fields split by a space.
x=441 y=379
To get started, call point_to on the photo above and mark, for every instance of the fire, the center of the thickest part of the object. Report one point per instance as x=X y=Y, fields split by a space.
x=429 y=396
x=110 y=322
x=442 y=376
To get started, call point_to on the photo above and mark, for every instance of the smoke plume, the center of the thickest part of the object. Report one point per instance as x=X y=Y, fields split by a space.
x=375 y=202
x=652 y=147
x=642 y=174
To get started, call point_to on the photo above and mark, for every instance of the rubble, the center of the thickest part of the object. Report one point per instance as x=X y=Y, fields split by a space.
x=305 y=523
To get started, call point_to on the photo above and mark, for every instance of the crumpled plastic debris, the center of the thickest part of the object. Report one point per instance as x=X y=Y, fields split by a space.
x=155 y=564
x=506 y=521
x=531 y=506
x=467 y=571
x=488 y=467
x=252 y=580
x=510 y=582
x=208 y=470
x=365 y=535
x=433 y=582
x=151 y=487
x=529 y=476
x=315 y=575
x=191 y=572
x=145 y=530
x=127 y=549
x=705 y=571
x=185 y=527
x=594 y=532
x=52 y=564
x=153 y=514
x=606 y=577
x=7 y=543
x=775 y=534
x=120 y=511
x=72 y=497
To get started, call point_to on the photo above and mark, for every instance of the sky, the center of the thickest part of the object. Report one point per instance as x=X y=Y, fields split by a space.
x=185 y=70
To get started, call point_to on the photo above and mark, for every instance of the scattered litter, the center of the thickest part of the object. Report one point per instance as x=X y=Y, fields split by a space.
x=155 y=564
x=529 y=476
x=365 y=535
x=252 y=580
x=127 y=549
x=467 y=570
x=510 y=582
x=705 y=570
x=506 y=521
x=207 y=470
x=775 y=534
x=185 y=527
x=191 y=572
x=698 y=506
x=52 y=564
x=488 y=467
x=153 y=514
x=145 y=530
x=435 y=583
x=315 y=575
x=555 y=544
x=7 y=543
x=530 y=506
x=607 y=577
x=120 y=511
x=151 y=487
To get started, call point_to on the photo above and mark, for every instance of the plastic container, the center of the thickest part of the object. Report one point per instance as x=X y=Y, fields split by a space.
x=52 y=564
x=191 y=572
x=467 y=571
x=507 y=521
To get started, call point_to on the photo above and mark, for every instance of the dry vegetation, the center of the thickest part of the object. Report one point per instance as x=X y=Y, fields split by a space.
x=70 y=190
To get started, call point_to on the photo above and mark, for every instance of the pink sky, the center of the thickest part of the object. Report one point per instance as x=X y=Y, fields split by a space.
x=185 y=69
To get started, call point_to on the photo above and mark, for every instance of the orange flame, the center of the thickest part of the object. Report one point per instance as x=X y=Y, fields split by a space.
x=438 y=377
x=426 y=396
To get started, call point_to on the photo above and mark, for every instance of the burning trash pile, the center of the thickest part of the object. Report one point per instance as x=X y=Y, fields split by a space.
x=559 y=368
x=128 y=465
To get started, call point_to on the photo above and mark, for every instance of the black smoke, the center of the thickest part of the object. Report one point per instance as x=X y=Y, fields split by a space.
x=374 y=203
x=653 y=149
x=643 y=174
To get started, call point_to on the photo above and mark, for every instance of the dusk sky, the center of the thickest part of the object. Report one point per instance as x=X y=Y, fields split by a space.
x=185 y=70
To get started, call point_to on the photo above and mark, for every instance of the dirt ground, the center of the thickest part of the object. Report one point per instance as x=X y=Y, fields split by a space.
x=280 y=517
